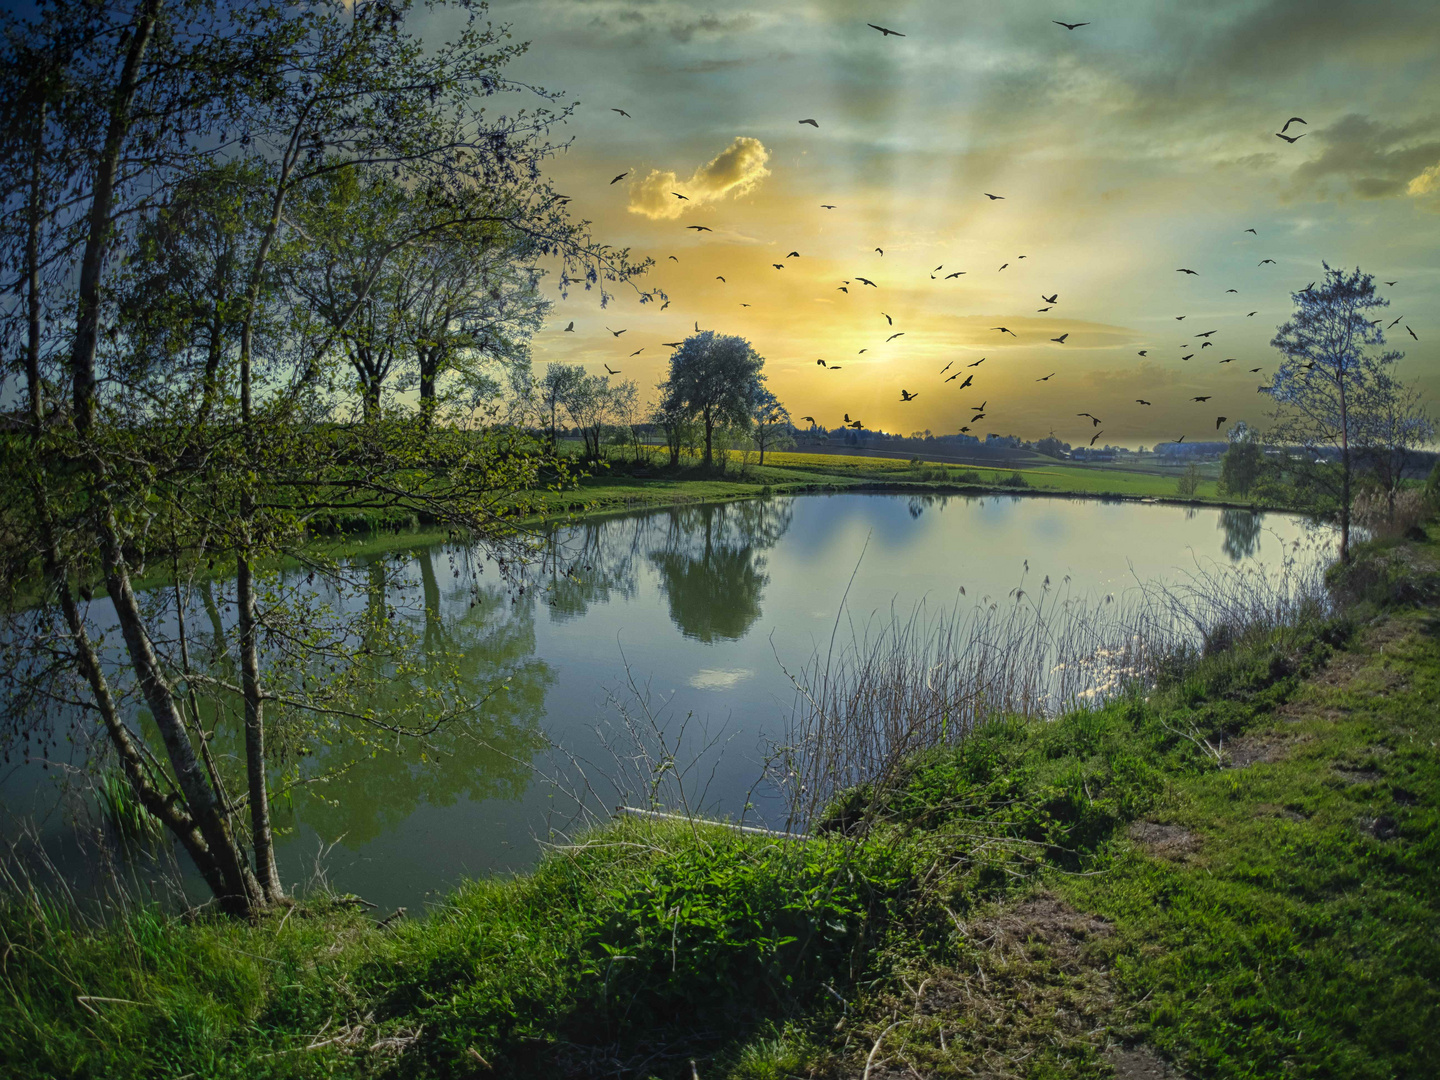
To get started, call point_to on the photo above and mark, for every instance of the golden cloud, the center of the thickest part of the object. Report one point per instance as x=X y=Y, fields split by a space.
x=1427 y=182
x=734 y=171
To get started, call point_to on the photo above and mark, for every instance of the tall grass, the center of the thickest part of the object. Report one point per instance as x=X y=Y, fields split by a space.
x=913 y=682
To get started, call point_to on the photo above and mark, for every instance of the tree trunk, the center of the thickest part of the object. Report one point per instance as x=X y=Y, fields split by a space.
x=262 y=839
x=709 y=431
x=429 y=363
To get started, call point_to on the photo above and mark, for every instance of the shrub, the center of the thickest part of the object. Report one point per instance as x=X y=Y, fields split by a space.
x=1373 y=512
x=1016 y=480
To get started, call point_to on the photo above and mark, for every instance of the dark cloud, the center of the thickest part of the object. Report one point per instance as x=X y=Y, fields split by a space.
x=1369 y=159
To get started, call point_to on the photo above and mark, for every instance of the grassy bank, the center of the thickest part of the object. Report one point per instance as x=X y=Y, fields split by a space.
x=1236 y=872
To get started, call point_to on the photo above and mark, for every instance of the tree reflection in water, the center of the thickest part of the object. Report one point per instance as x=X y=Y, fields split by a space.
x=1242 y=533
x=711 y=566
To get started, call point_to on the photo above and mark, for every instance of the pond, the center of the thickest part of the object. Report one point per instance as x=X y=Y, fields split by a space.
x=696 y=607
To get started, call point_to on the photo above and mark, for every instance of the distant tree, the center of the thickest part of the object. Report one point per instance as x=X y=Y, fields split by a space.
x=715 y=378
x=1187 y=486
x=1397 y=429
x=593 y=404
x=772 y=423
x=1241 y=465
x=1330 y=385
x=1051 y=447
x=553 y=389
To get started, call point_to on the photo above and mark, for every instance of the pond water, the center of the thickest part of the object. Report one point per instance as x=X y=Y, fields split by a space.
x=699 y=605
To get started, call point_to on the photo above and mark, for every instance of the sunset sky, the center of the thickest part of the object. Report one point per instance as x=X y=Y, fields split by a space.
x=1125 y=149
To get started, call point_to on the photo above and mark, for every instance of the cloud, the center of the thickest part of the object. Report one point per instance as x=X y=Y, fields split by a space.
x=1426 y=183
x=734 y=171
x=1371 y=159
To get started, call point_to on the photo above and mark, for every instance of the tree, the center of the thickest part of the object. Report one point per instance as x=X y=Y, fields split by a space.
x=593 y=404
x=772 y=423
x=1050 y=446
x=1330 y=385
x=716 y=378
x=1187 y=485
x=1243 y=460
x=1397 y=429
x=205 y=425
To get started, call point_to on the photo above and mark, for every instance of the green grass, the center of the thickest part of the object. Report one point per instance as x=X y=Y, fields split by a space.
x=1039 y=891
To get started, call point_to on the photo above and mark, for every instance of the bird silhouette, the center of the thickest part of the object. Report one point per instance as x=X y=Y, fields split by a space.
x=1290 y=138
x=1141 y=401
x=1232 y=290
x=1252 y=231
x=1143 y=352
x=981 y=407
x=856 y=424
x=1095 y=436
x=1392 y=283
x=1061 y=338
x=977 y=363
x=820 y=362
x=905 y=395
x=718 y=277
x=992 y=198
x=1047 y=378
x=1205 y=398
x=1050 y=299
x=956 y=274
x=1002 y=267
x=946 y=368
x=1392 y=325
x=1412 y=333
x=810 y=418
x=679 y=196
x=1192 y=273
x=1228 y=360
x=834 y=367
x=952 y=378
x=885 y=32
x=888 y=320
x=1069 y=25
x=892 y=337
x=672 y=344
x=617 y=333
x=1095 y=420
x=812 y=123
x=1187 y=357
x=697 y=326
x=700 y=228
x=1262 y=262
x=571 y=327
x=1004 y=330
x=978 y=417
x=743 y=304
x=842 y=288
x=638 y=351
x=968 y=380
x=609 y=369
x=622 y=112
x=620 y=177
x=881 y=251
x=793 y=255
x=1251 y=313
x=1293 y=120
x=866 y=281
x=1220 y=420
x=778 y=266
x=1206 y=344
x=1254 y=370
x=1179 y=317
x=672 y=257
x=1042 y=309
x=827 y=206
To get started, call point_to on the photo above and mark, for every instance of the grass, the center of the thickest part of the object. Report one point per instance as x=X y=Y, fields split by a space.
x=1236 y=870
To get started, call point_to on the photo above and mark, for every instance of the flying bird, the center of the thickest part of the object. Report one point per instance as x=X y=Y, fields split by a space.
x=793 y=255
x=1293 y=120
x=946 y=367
x=622 y=112
x=827 y=206
x=700 y=228
x=881 y=251
x=1392 y=283
x=1207 y=333
x=1002 y=267
x=637 y=352
x=1141 y=401
x=952 y=378
x=609 y=369
x=719 y=277
x=1252 y=231
x=888 y=321
x=977 y=363
x=1290 y=138
x=1095 y=419
x=1187 y=357
x=1143 y=352
x=892 y=337
x=1042 y=309
x=1095 y=436
x=620 y=177
x=1179 y=317
x=571 y=327
x=812 y=123
x=981 y=407
x=1391 y=326
x=867 y=281
x=1061 y=338
x=1232 y=290
x=679 y=196
x=617 y=333
x=842 y=288
x=1206 y=344
x=672 y=344
x=1069 y=25
x=1192 y=273
x=1004 y=330
x=1412 y=333
x=1220 y=420
x=673 y=257
x=1050 y=299
x=810 y=418
x=885 y=32
x=1228 y=360
x=1047 y=378
x=957 y=273
x=1205 y=398
x=778 y=266
x=968 y=380
x=1254 y=370
x=992 y=198
x=1251 y=313
x=977 y=417
x=905 y=395
x=1262 y=262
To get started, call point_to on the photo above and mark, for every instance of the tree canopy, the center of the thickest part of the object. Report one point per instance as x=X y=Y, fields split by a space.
x=714 y=377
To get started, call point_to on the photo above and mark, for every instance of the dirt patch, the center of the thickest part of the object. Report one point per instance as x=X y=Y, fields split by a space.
x=1250 y=750
x=1166 y=841
x=1352 y=775
x=1141 y=1063
x=1037 y=989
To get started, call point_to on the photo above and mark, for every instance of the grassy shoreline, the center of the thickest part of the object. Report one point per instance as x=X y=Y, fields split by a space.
x=1238 y=872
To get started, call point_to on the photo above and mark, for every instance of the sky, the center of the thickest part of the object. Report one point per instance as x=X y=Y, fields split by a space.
x=1124 y=150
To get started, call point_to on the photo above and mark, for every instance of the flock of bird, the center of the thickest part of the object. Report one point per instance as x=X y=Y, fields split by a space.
x=1051 y=301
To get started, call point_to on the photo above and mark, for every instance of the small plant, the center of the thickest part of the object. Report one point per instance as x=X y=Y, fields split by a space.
x=119 y=806
x=1015 y=479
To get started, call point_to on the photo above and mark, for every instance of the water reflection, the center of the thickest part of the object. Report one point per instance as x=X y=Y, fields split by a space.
x=1242 y=533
